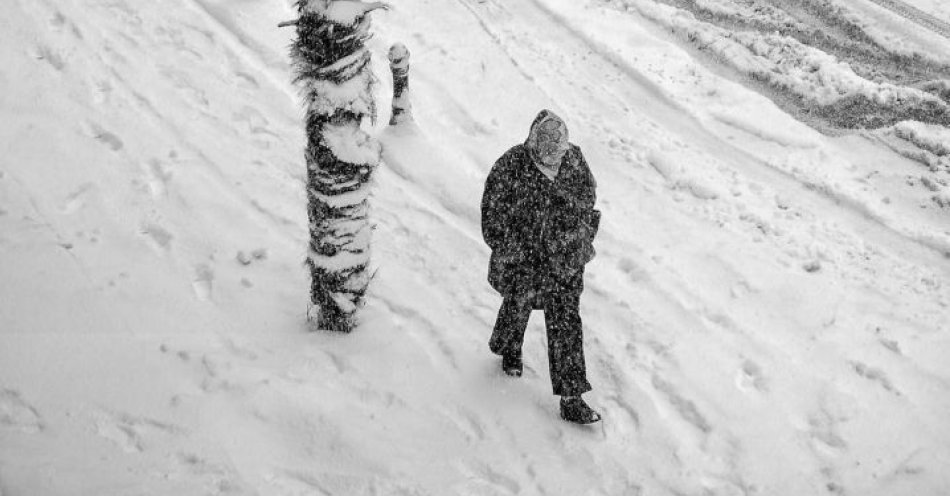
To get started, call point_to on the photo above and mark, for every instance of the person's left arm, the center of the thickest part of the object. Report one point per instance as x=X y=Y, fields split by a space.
x=584 y=193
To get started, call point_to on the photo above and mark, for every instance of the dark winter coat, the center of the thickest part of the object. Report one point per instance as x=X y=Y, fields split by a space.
x=540 y=231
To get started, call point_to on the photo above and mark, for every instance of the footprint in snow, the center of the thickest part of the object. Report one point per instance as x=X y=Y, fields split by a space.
x=247 y=258
x=183 y=82
x=48 y=55
x=101 y=91
x=239 y=350
x=632 y=423
x=722 y=486
x=824 y=436
x=750 y=378
x=246 y=80
x=100 y=134
x=682 y=406
x=891 y=345
x=254 y=121
x=634 y=271
x=486 y=476
x=123 y=12
x=158 y=176
x=218 y=478
x=211 y=372
x=59 y=23
x=16 y=413
x=740 y=289
x=77 y=199
x=306 y=482
x=875 y=375
x=182 y=355
x=130 y=433
x=466 y=422
x=92 y=236
x=203 y=282
x=157 y=236
x=182 y=41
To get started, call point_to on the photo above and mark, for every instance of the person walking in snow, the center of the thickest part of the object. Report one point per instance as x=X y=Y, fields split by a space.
x=539 y=220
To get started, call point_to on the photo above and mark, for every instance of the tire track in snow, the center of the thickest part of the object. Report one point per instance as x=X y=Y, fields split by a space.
x=499 y=42
x=917 y=16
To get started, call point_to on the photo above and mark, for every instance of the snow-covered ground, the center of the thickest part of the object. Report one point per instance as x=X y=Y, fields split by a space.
x=767 y=314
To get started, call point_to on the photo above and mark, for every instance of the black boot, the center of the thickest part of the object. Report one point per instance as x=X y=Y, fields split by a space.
x=511 y=363
x=573 y=409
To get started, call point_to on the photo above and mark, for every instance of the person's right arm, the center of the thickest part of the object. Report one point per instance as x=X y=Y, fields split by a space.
x=497 y=204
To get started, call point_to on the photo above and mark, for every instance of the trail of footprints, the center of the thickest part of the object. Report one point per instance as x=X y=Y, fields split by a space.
x=685 y=408
x=484 y=479
x=304 y=482
x=157 y=175
x=142 y=435
x=133 y=434
x=875 y=375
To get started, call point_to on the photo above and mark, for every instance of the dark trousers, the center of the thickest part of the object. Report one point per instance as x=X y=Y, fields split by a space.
x=562 y=319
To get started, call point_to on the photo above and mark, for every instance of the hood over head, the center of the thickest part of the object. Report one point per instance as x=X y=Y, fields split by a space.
x=548 y=135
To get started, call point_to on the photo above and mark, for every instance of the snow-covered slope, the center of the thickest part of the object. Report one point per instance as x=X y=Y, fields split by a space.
x=767 y=313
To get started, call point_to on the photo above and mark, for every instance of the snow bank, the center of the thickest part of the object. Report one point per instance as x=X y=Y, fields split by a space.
x=928 y=143
x=814 y=74
x=935 y=139
x=749 y=9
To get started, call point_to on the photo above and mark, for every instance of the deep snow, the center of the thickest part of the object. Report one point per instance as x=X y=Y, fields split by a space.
x=767 y=314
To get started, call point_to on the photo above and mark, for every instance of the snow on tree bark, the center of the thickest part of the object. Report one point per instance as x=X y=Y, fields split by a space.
x=333 y=71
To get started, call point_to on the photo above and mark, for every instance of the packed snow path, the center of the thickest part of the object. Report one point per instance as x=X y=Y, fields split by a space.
x=759 y=320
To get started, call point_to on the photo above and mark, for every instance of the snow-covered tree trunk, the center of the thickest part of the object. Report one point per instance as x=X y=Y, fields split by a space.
x=333 y=70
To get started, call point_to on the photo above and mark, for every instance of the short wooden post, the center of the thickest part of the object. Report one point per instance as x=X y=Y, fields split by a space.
x=399 y=64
